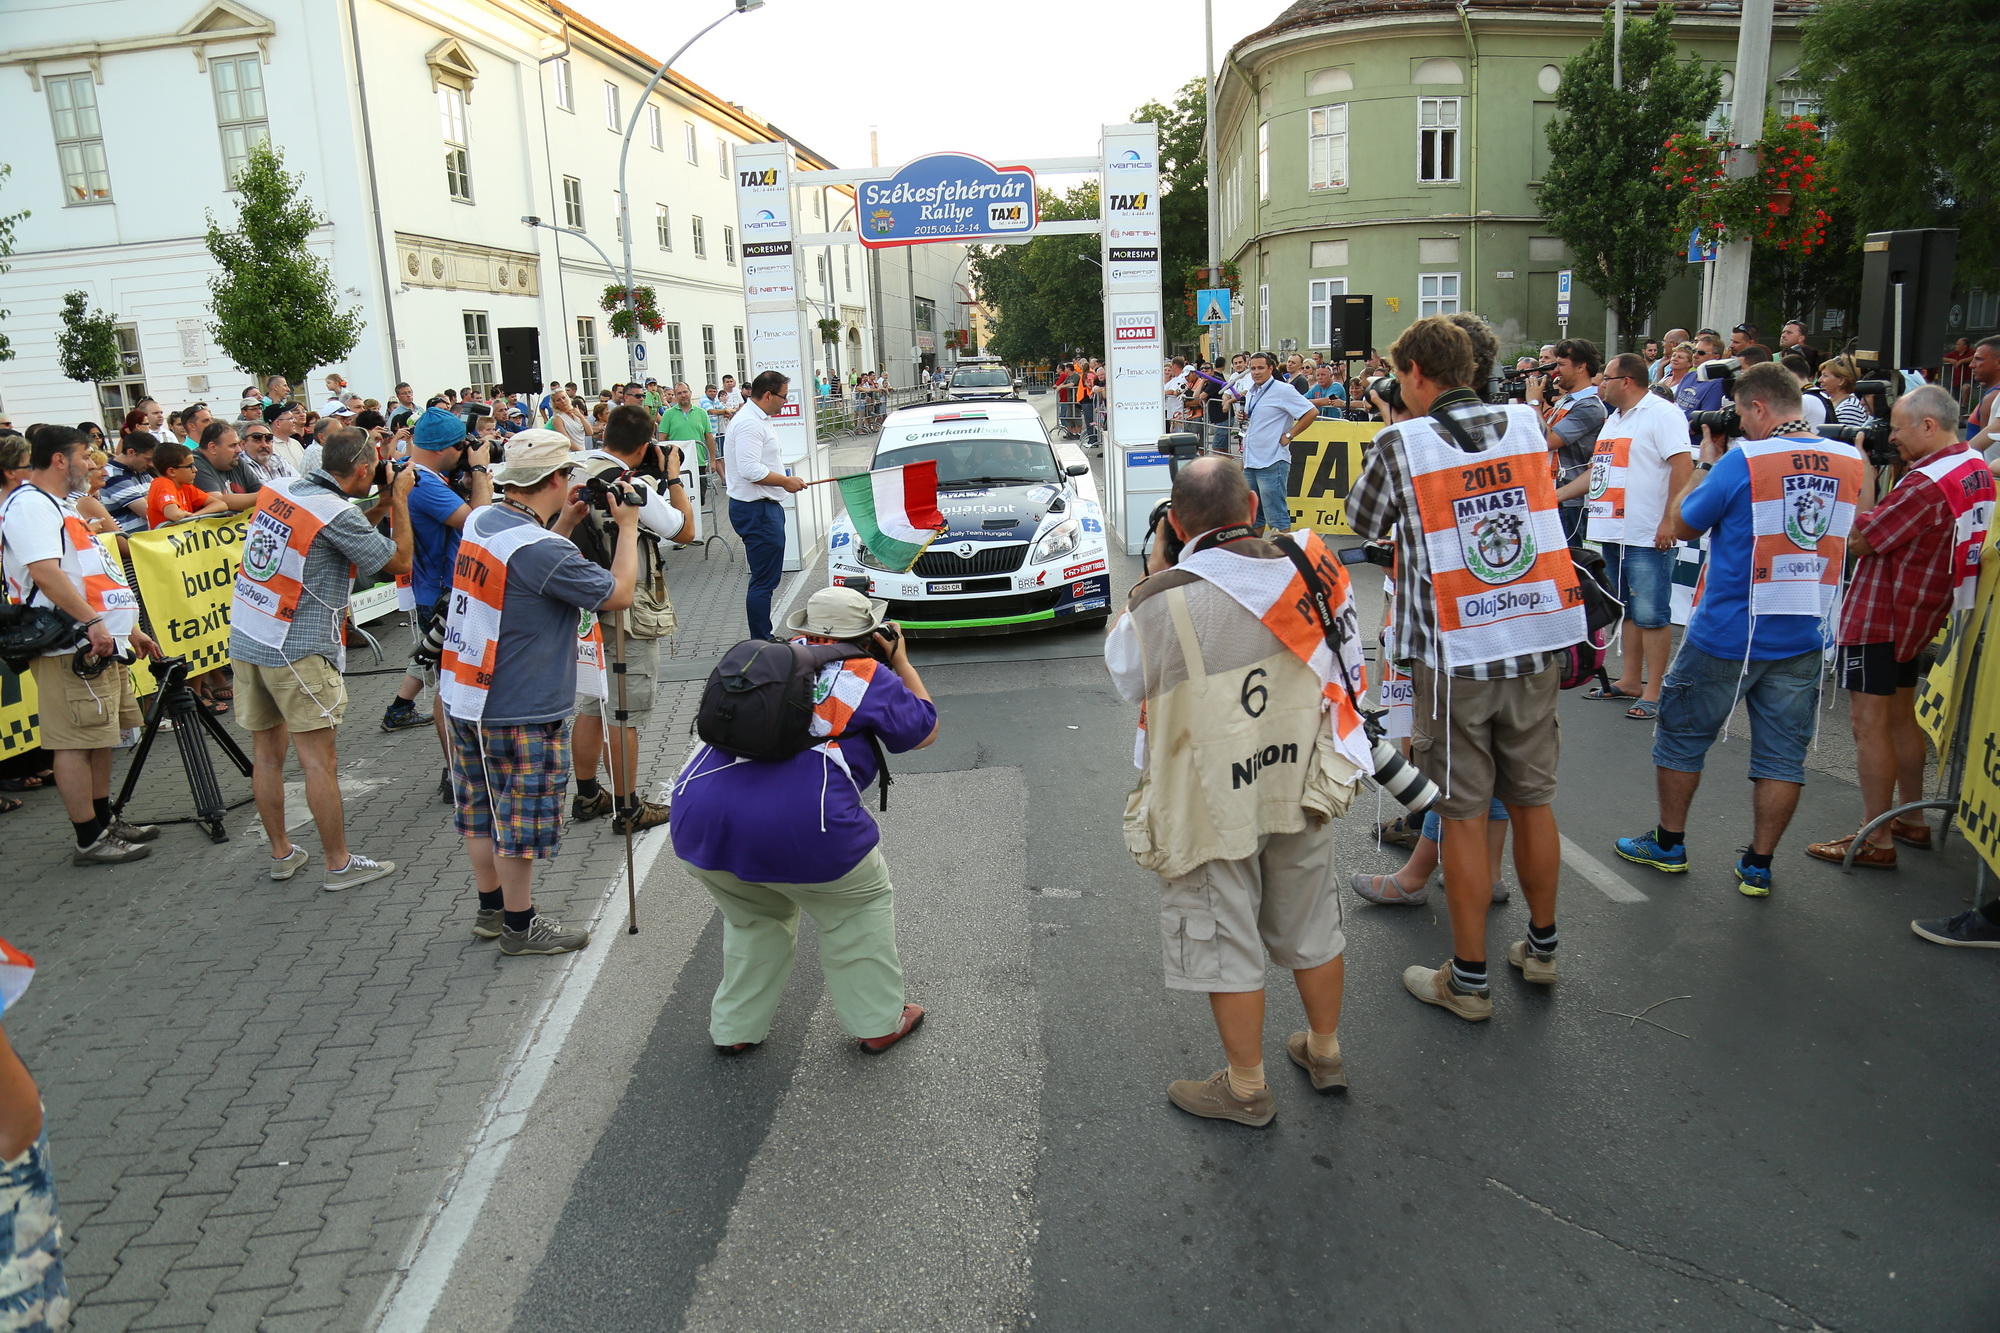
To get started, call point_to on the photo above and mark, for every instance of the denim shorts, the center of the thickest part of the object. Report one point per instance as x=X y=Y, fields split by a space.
x=1274 y=507
x=1644 y=579
x=1782 y=696
x=1434 y=826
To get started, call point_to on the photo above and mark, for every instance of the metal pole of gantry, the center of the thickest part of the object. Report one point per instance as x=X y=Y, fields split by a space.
x=1730 y=294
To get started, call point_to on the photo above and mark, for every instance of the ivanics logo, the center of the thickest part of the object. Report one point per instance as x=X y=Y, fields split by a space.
x=1129 y=203
x=765 y=220
x=1129 y=160
x=751 y=180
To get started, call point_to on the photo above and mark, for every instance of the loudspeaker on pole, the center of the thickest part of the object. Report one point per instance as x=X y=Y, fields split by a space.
x=521 y=360
x=1907 y=273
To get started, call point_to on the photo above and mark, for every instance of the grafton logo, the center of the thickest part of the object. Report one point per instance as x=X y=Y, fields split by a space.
x=1129 y=203
x=751 y=180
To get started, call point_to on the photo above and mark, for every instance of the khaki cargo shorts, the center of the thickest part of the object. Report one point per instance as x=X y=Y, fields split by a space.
x=79 y=714
x=1490 y=738
x=1218 y=922
x=308 y=695
x=642 y=667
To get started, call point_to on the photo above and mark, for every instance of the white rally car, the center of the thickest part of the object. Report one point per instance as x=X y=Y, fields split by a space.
x=1025 y=546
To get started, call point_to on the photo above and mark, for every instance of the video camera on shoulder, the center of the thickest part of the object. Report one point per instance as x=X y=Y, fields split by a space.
x=1514 y=389
x=1725 y=370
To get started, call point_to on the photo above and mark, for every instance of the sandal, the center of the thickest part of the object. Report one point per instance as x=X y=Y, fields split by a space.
x=1644 y=710
x=212 y=706
x=1870 y=857
x=1608 y=690
x=32 y=782
x=8 y=805
x=1402 y=831
x=1916 y=834
x=1385 y=891
x=913 y=1018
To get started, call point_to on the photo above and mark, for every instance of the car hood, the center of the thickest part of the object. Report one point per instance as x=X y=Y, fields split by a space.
x=997 y=513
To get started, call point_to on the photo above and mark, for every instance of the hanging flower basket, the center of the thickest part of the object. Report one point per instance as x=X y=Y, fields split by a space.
x=1781 y=205
x=645 y=311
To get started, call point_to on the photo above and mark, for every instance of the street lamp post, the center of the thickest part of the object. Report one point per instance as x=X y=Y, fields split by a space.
x=532 y=221
x=625 y=151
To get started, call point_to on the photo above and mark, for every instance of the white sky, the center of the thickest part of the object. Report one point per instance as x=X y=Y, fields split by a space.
x=1004 y=80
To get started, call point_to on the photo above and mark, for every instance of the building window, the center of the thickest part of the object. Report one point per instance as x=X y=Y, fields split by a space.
x=663 y=226
x=1982 y=309
x=565 y=91
x=1326 y=149
x=847 y=268
x=1719 y=120
x=1791 y=104
x=1264 y=161
x=457 y=160
x=1437 y=294
x=118 y=396
x=693 y=152
x=700 y=237
x=824 y=264
x=572 y=202
x=1437 y=138
x=926 y=316
x=79 y=140
x=742 y=361
x=478 y=349
x=729 y=244
x=586 y=354
x=1320 y=295
x=722 y=158
x=612 y=120
x=618 y=215
x=708 y=352
x=675 y=365
x=239 y=111
x=655 y=136
x=1264 y=316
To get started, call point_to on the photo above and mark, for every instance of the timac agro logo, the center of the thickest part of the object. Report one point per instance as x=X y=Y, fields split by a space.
x=751 y=180
x=1130 y=203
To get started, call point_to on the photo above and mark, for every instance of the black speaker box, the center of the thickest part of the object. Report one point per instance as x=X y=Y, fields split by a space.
x=1906 y=272
x=1353 y=326
x=521 y=360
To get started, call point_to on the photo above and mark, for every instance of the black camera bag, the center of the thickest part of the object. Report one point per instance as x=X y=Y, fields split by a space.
x=758 y=702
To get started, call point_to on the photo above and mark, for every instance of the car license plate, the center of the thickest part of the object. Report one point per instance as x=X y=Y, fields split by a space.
x=947 y=587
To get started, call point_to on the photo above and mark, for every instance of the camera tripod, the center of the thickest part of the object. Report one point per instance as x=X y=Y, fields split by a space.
x=177 y=702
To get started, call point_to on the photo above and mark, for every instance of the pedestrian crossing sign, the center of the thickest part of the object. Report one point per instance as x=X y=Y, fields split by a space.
x=1211 y=305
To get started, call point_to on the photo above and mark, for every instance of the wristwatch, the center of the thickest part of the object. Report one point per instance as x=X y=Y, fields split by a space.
x=1703 y=467
x=479 y=467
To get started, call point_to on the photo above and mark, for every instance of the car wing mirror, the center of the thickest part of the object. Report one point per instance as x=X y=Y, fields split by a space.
x=1077 y=469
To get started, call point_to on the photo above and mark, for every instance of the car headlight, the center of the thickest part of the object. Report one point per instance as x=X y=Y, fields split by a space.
x=1058 y=541
x=867 y=557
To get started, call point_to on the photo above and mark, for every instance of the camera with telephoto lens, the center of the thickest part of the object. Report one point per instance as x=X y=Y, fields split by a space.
x=1402 y=780
x=430 y=648
x=1871 y=439
x=1724 y=422
x=1156 y=523
x=1389 y=389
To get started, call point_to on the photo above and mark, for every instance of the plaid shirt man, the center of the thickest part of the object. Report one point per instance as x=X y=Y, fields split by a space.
x=1383 y=494
x=1901 y=594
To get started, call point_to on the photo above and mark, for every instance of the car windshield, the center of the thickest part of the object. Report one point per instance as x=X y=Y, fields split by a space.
x=982 y=379
x=978 y=461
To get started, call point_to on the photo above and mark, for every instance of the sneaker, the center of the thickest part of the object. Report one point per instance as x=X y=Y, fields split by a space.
x=913 y=1018
x=637 y=819
x=135 y=833
x=1752 y=881
x=359 y=870
x=488 y=922
x=402 y=715
x=1645 y=850
x=543 y=935
x=284 y=867
x=583 y=809
x=1535 y=965
x=108 y=850
x=1968 y=930
x=1329 y=1075
x=1437 y=986
x=1212 y=1099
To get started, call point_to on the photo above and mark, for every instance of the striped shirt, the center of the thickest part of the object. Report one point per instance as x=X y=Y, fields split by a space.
x=1385 y=493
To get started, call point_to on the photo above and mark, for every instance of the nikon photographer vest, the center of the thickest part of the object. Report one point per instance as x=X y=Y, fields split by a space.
x=473 y=617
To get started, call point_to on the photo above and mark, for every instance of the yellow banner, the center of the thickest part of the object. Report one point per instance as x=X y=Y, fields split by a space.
x=20 y=726
x=1944 y=687
x=186 y=573
x=1979 y=790
x=1326 y=458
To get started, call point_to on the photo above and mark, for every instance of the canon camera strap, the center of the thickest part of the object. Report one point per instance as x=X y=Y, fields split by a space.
x=1322 y=607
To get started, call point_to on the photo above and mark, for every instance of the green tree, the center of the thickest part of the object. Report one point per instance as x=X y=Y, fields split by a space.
x=1047 y=295
x=1183 y=199
x=7 y=248
x=87 y=343
x=274 y=301
x=1912 y=92
x=1599 y=195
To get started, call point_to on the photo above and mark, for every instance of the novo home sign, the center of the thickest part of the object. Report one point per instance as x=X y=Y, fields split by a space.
x=946 y=197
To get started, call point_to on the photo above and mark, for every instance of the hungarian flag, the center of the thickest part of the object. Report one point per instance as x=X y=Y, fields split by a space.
x=895 y=512
x=16 y=970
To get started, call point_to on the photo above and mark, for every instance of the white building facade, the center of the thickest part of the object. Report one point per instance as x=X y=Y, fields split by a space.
x=426 y=131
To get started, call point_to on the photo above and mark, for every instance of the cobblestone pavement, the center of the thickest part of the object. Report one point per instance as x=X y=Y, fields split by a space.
x=257 y=1091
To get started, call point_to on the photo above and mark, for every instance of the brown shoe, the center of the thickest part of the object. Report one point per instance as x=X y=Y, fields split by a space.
x=1435 y=986
x=1917 y=835
x=1329 y=1075
x=583 y=809
x=1870 y=856
x=638 y=818
x=913 y=1018
x=1212 y=1099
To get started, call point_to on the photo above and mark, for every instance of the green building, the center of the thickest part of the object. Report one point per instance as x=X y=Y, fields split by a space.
x=1392 y=148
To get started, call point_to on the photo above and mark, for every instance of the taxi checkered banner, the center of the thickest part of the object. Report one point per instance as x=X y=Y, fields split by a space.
x=1979 y=789
x=1943 y=689
x=187 y=574
x=1326 y=459
x=20 y=724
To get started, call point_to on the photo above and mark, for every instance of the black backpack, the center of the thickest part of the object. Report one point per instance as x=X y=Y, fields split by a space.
x=758 y=702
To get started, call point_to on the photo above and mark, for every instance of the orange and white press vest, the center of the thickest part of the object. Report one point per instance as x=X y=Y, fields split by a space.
x=1967 y=483
x=472 y=620
x=1605 y=501
x=1502 y=578
x=89 y=565
x=270 y=581
x=1803 y=490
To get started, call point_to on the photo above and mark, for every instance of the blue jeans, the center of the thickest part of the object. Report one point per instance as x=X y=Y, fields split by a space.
x=761 y=525
x=1274 y=507
x=1643 y=578
x=1434 y=825
x=1782 y=695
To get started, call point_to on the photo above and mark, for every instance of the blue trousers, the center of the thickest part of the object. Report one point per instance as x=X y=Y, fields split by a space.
x=761 y=525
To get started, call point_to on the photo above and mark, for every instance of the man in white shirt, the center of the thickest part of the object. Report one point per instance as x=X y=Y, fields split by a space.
x=1641 y=457
x=1273 y=412
x=755 y=469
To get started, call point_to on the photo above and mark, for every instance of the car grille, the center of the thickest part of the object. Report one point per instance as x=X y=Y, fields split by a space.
x=976 y=608
x=987 y=558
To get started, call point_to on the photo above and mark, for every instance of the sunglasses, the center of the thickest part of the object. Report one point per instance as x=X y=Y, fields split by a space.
x=258 y=435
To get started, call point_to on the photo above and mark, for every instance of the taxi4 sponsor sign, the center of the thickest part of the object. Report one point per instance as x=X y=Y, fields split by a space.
x=946 y=197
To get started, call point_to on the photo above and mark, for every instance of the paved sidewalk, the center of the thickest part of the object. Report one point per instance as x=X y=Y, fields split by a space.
x=257 y=1091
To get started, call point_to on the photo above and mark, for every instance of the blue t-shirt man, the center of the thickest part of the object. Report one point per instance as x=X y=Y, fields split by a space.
x=435 y=540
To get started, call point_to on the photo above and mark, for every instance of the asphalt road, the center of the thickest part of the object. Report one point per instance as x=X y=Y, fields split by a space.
x=1800 y=1150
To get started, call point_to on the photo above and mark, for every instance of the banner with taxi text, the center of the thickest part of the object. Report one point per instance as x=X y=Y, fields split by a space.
x=1326 y=458
x=186 y=573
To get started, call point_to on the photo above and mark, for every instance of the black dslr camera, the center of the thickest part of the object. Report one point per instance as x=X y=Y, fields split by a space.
x=1724 y=422
x=1871 y=439
x=604 y=494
